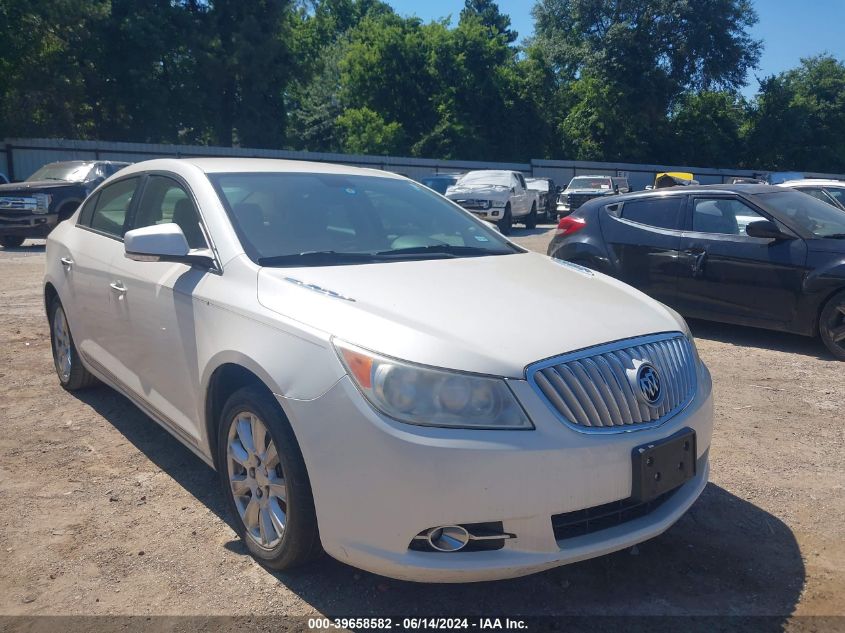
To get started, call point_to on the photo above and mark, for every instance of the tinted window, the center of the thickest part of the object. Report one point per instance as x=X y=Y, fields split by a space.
x=727 y=216
x=837 y=194
x=818 y=194
x=165 y=201
x=88 y=210
x=112 y=204
x=284 y=214
x=664 y=213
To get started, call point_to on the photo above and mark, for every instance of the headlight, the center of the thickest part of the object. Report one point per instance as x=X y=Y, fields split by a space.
x=432 y=397
x=42 y=202
x=498 y=204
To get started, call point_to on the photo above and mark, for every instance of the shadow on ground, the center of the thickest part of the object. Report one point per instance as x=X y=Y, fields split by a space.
x=757 y=337
x=724 y=557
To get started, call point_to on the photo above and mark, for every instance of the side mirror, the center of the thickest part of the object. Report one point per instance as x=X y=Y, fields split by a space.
x=767 y=230
x=164 y=243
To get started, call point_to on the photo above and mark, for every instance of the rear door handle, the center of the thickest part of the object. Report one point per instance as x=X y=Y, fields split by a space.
x=67 y=262
x=697 y=257
x=118 y=288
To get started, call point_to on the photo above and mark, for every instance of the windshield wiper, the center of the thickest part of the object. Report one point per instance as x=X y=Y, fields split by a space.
x=440 y=249
x=318 y=258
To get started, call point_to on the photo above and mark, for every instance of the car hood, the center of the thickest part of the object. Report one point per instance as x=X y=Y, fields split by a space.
x=495 y=192
x=478 y=314
x=35 y=186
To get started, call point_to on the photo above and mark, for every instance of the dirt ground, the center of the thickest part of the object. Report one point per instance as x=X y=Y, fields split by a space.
x=102 y=512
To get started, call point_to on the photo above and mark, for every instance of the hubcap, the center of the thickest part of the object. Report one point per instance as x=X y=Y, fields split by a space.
x=61 y=345
x=836 y=326
x=256 y=479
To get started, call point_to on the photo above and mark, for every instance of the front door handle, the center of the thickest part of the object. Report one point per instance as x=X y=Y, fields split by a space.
x=118 y=288
x=67 y=262
x=697 y=257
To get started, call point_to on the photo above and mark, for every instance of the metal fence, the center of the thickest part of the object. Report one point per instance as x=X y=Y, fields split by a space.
x=20 y=157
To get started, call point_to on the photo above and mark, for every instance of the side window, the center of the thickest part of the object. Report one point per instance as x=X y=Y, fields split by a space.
x=88 y=210
x=521 y=181
x=112 y=204
x=727 y=216
x=837 y=194
x=165 y=201
x=664 y=213
x=816 y=193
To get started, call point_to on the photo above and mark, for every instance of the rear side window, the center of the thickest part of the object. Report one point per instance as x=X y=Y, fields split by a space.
x=112 y=205
x=663 y=213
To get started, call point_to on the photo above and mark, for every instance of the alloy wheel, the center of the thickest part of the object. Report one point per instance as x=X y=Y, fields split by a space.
x=834 y=326
x=256 y=480
x=61 y=345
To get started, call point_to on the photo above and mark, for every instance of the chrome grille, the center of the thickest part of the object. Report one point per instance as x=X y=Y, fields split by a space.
x=596 y=389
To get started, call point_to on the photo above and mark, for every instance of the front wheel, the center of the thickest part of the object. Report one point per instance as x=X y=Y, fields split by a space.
x=11 y=241
x=832 y=325
x=506 y=223
x=265 y=481
x=531 y=220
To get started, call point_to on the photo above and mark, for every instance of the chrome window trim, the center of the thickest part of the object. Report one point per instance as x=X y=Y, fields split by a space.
x=596 y=350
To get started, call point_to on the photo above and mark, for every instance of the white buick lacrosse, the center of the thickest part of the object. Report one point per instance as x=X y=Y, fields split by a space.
x=352 y=353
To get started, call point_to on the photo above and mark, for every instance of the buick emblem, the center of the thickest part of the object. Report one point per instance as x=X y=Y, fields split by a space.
x=648 y=382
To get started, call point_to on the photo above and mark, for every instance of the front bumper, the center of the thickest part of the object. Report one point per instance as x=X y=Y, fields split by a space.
x=491 y=215
x=378 y=483
x=28 y=225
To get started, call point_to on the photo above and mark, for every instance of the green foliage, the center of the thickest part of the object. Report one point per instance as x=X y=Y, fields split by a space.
x=617 y=80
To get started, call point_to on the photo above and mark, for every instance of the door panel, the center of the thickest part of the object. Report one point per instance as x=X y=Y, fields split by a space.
x=643 y=239
x=155 y=314
x=728 y=275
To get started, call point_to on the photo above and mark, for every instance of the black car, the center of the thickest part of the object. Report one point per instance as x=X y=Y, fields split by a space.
x=32 y=208
x=748 y=254
x=441 y=182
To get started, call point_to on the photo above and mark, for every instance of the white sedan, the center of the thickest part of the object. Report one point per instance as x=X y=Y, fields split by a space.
x=332 y=341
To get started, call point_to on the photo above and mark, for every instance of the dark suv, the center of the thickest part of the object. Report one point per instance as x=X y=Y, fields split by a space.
x=32 y=208
x=748 y=254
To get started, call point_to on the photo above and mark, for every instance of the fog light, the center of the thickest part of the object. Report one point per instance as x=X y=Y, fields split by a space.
x=495 y=213
x=450 y=538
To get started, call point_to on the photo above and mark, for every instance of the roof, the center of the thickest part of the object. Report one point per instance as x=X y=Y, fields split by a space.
x=747 y=189
x=813 y=181
x=251 y=165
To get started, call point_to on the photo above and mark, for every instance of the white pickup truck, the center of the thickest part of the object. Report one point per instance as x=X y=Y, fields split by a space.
x=498 y=196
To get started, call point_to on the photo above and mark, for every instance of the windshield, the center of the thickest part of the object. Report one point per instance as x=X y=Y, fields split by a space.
x=439 y=183
x=71 y=172
x=487 y=177
x=303 y=219
x=589 y=183
x=537 y=185
x=819 y=218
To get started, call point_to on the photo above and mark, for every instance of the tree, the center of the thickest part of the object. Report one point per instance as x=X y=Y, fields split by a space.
x=799 y=118
x=366 y=132
x=706 y=129
x=487 y=12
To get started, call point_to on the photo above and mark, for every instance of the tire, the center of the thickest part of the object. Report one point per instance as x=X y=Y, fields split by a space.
x=11 y=241
x=506 y=223
x=282 y=531
x=531 y=220
x=69 y=368
x=832 y=325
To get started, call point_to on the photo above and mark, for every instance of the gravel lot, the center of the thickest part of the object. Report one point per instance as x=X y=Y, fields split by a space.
x=102 y=512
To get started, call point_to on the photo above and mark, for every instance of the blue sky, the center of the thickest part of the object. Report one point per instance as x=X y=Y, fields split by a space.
x=789 y=29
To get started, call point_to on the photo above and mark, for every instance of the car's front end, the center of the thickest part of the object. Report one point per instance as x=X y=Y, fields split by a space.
x=25 y=213
x=487 y=203
x=453 y=460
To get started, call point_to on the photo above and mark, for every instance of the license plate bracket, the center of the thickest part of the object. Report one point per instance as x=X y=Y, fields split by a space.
x=662 y=465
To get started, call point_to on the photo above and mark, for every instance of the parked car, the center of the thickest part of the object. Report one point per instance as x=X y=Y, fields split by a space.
x=440 y=182
x=330 y=340
x=830 y=191
x=584 y=188
x=748 y=254
x=34 y=207
x=500 y=196
x=547 y=193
